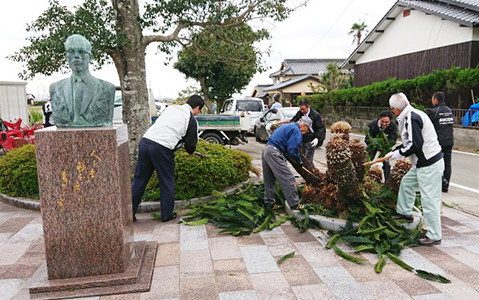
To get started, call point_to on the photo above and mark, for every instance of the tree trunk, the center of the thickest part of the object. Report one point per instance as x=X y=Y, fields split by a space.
x=130 y=63
x=204 y=88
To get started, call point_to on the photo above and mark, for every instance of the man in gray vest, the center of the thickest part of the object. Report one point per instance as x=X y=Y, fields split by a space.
x=81 y=100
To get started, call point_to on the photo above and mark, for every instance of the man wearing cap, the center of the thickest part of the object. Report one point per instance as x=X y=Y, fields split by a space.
x=285 y=140
x=420 y=145
x=315 y=137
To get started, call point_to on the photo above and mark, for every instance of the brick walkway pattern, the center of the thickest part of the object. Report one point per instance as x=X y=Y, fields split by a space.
x=198 y=263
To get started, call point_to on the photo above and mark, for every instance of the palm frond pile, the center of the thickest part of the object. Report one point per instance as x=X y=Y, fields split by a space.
x=238 y=214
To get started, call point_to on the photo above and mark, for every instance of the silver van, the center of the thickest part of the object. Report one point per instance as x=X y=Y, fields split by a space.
x=252 y=106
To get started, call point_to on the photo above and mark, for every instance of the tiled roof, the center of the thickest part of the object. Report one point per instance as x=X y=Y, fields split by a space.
x=292 y=81
x=304 y=66
x=260 y=90
x=465 y=12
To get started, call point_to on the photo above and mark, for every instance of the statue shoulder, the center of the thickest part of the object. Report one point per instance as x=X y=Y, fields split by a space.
x=59 y=84
x=107 y=85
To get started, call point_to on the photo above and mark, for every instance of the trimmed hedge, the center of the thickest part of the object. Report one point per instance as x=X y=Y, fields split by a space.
x=18 y=173
x=418 y=89
x=194 y=176
x=197 y=177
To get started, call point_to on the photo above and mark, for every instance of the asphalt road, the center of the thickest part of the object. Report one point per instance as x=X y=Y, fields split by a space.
x=465 y=165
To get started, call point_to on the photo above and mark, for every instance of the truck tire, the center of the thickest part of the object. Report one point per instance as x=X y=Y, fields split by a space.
x=212 y=137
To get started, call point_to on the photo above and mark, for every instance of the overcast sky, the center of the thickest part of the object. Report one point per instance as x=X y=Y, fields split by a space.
x=319 y=30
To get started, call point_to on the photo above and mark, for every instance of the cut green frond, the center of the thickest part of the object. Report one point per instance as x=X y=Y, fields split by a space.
x=347 y=256
x=195 y=223
x=399 y=262
x=378 y=268
x=287 y=256
x=361 y=248
x=333 y=240
x=431 y=276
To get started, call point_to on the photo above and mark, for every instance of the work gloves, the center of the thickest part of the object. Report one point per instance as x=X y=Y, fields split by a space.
x=314 y=142
x=395 y=155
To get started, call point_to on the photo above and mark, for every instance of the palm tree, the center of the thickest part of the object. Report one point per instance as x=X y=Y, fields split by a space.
x=357 y=31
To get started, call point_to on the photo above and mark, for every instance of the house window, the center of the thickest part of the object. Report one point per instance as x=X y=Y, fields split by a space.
x=406 y=13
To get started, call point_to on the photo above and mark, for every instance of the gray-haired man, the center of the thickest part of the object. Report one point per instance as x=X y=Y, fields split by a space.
x=420 y=144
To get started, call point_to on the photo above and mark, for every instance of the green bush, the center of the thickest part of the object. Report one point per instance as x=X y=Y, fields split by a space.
x=36 y=117
x=418 y=89
x=197 y=177
x=18 y=173
x=194 y=176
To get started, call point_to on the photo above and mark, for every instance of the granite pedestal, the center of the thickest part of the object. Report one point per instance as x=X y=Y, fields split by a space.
x=85 y=197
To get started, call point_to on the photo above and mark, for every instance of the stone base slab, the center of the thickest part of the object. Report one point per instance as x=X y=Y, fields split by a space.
x=136 y=278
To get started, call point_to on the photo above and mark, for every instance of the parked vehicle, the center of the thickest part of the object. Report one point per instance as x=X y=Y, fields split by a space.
x=262 y=127
x=237 y=106
x=221 y=129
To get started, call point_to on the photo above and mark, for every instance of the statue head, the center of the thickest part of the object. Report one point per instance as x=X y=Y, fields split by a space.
x=78 y=53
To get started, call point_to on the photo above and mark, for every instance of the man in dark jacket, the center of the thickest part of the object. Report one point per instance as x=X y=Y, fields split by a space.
x=443 y=121
x=316 y=136
x=384 y=124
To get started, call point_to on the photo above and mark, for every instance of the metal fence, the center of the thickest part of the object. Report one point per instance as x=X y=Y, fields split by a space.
x=464 y=118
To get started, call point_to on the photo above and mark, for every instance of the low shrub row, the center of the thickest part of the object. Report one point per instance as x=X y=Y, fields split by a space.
x=418 y=89
x=194 y=176
x=18 y=173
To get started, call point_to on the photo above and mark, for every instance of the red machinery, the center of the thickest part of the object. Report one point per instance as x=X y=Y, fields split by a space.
x=16 y=136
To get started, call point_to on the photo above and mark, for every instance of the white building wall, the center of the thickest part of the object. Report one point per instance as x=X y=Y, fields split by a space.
x=13 y=101
x=416 y=32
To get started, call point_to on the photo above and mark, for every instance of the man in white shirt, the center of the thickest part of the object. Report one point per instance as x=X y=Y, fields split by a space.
x=175 y=125
x=276 y=104
x=47 y=114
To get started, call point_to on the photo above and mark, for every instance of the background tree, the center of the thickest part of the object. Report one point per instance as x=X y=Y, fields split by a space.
x=115 y=30
x=185 y=93
x=357 y=31
x=334 y=79
x=223 y=60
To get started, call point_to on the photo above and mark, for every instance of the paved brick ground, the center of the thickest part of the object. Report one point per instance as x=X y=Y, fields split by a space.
x=198 y=263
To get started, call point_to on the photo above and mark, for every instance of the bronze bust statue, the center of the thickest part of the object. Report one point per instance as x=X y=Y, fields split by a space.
x=81 y=100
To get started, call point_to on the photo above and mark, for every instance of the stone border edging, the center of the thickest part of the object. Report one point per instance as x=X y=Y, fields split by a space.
x=20 y=202
x=145 y=207
x=153 y=206
x=334 y=224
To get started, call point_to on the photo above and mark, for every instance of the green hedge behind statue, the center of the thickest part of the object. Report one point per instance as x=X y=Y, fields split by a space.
x=194 y=176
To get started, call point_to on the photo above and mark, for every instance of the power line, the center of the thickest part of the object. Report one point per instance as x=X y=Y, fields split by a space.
x=340 y=16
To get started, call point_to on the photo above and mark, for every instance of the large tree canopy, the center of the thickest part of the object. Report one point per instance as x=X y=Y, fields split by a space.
x=223 y=60
x=116 y=30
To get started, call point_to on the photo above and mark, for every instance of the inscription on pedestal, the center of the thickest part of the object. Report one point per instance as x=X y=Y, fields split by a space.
x=84 y=204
